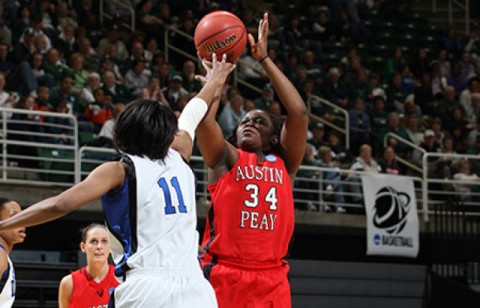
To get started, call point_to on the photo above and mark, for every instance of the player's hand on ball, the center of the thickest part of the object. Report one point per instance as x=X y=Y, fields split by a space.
x=215 y=69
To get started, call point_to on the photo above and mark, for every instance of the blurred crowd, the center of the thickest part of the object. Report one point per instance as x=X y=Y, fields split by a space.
x=68 y=59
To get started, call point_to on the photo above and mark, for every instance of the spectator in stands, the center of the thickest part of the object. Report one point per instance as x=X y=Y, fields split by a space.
x=7 y=100
x=93 y=83
x=174 y=90
x=466 y=96
x=65 y=42
x=307 y=182
x=394 y=64
x=55 y=66
x=467 y=70
x=105 y=136
x=314 y=70
x=153 y=90
x=42 y=101
x=5 y=31
x=22 y=21
x=429 y=144
x=99 y=111
x=36 y=66
x=360 y=87
x=457 y=119
x=186 y=43
x=360 y=127
x=78 y=72
x=439 y=82
x=456 y=79
x=413 y=131
x=275 y=109
x=90 y=286
x=92 y=60
x=40 y=30
x=188 y=74
x=393 y=126
x=137 y=77
x=108 y=63
x=378 y=115
x=472 y=135
x=146 y=21
x=396 y=94
x=388 y=163
x=364 y=162
x=113 y=39
x=322 y=28
x=62 y=128
x=23 y=128
x=266 y=99
x=231 y=115
x=276 y=39
x=333 y=189
x=118 y=92
x=151 y=47
x=8 y=238
x=472 y=40
x=317 y=130
x=451 y=43
x=65 y=15
x=137 y=53
x=447 y=104
x=459 y=140
x=88 y=15
x=437 y=126
x=66 y=93
x=6 y=62
x=340 y=152
x=41 y=44
x=475 y=150
x=423 y=95
x=334 y=90
x=464 y=175
x=420 y=64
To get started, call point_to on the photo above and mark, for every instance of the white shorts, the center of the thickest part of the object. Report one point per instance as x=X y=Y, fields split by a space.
x=158 y=288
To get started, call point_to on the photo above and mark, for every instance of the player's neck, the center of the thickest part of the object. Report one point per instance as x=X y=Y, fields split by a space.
x=98 y=271
x=8 y=246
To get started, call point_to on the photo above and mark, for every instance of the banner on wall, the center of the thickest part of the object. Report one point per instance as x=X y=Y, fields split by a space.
x=392 y=221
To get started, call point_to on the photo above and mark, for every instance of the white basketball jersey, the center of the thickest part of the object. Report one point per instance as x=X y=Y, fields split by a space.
x=7 y=283
x=152 y=218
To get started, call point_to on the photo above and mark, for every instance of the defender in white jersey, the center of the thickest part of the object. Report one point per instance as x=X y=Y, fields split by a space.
x=149 y=202
x=8 y=238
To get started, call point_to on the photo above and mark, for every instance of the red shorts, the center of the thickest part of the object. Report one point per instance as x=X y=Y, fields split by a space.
x=240 y=288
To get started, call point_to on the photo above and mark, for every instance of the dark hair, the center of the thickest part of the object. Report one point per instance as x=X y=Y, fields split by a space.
x=3 y=201
x=84 y=231
x=145 y=128
x=277 y=123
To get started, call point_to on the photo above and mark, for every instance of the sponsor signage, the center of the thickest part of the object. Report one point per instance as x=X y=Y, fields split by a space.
x=392 y=221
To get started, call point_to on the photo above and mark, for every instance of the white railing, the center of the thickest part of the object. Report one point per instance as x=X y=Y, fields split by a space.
x=30 y=152
x=465 y=7
x=344 y=130
x=412 y=145
x=125 y=6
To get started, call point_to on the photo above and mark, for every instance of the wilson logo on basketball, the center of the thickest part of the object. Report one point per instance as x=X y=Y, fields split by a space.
x=212 y=47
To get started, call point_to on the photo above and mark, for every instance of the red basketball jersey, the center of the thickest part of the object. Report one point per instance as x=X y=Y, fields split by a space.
x=251 y=217
x=89 y=293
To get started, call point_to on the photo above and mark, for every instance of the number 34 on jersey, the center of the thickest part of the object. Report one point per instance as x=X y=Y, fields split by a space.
x=255 y=217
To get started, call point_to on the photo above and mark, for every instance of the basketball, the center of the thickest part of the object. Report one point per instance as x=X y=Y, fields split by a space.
x=220 y=32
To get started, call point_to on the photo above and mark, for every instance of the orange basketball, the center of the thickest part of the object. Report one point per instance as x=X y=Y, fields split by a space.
x=220 y=32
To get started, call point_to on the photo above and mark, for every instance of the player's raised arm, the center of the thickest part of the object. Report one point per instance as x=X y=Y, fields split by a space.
x=294 y=132
x=197 y=107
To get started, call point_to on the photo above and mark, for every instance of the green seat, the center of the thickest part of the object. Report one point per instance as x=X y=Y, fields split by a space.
x=56 y=165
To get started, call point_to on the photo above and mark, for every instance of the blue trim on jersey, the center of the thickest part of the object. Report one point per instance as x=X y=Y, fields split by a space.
x=120 y=208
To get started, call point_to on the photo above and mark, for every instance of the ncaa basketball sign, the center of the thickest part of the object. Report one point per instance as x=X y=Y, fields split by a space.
x=392 y=221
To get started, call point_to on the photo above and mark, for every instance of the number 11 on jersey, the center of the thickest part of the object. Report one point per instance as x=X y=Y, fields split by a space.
x=169 y=208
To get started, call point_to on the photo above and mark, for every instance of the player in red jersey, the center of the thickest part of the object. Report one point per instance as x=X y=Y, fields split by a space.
x=90 y=285
x=251 y=217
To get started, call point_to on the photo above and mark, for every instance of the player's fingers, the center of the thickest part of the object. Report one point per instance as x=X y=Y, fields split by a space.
x=251 y=40
x=260 y=30
x=214 y=59
x=224 y=58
